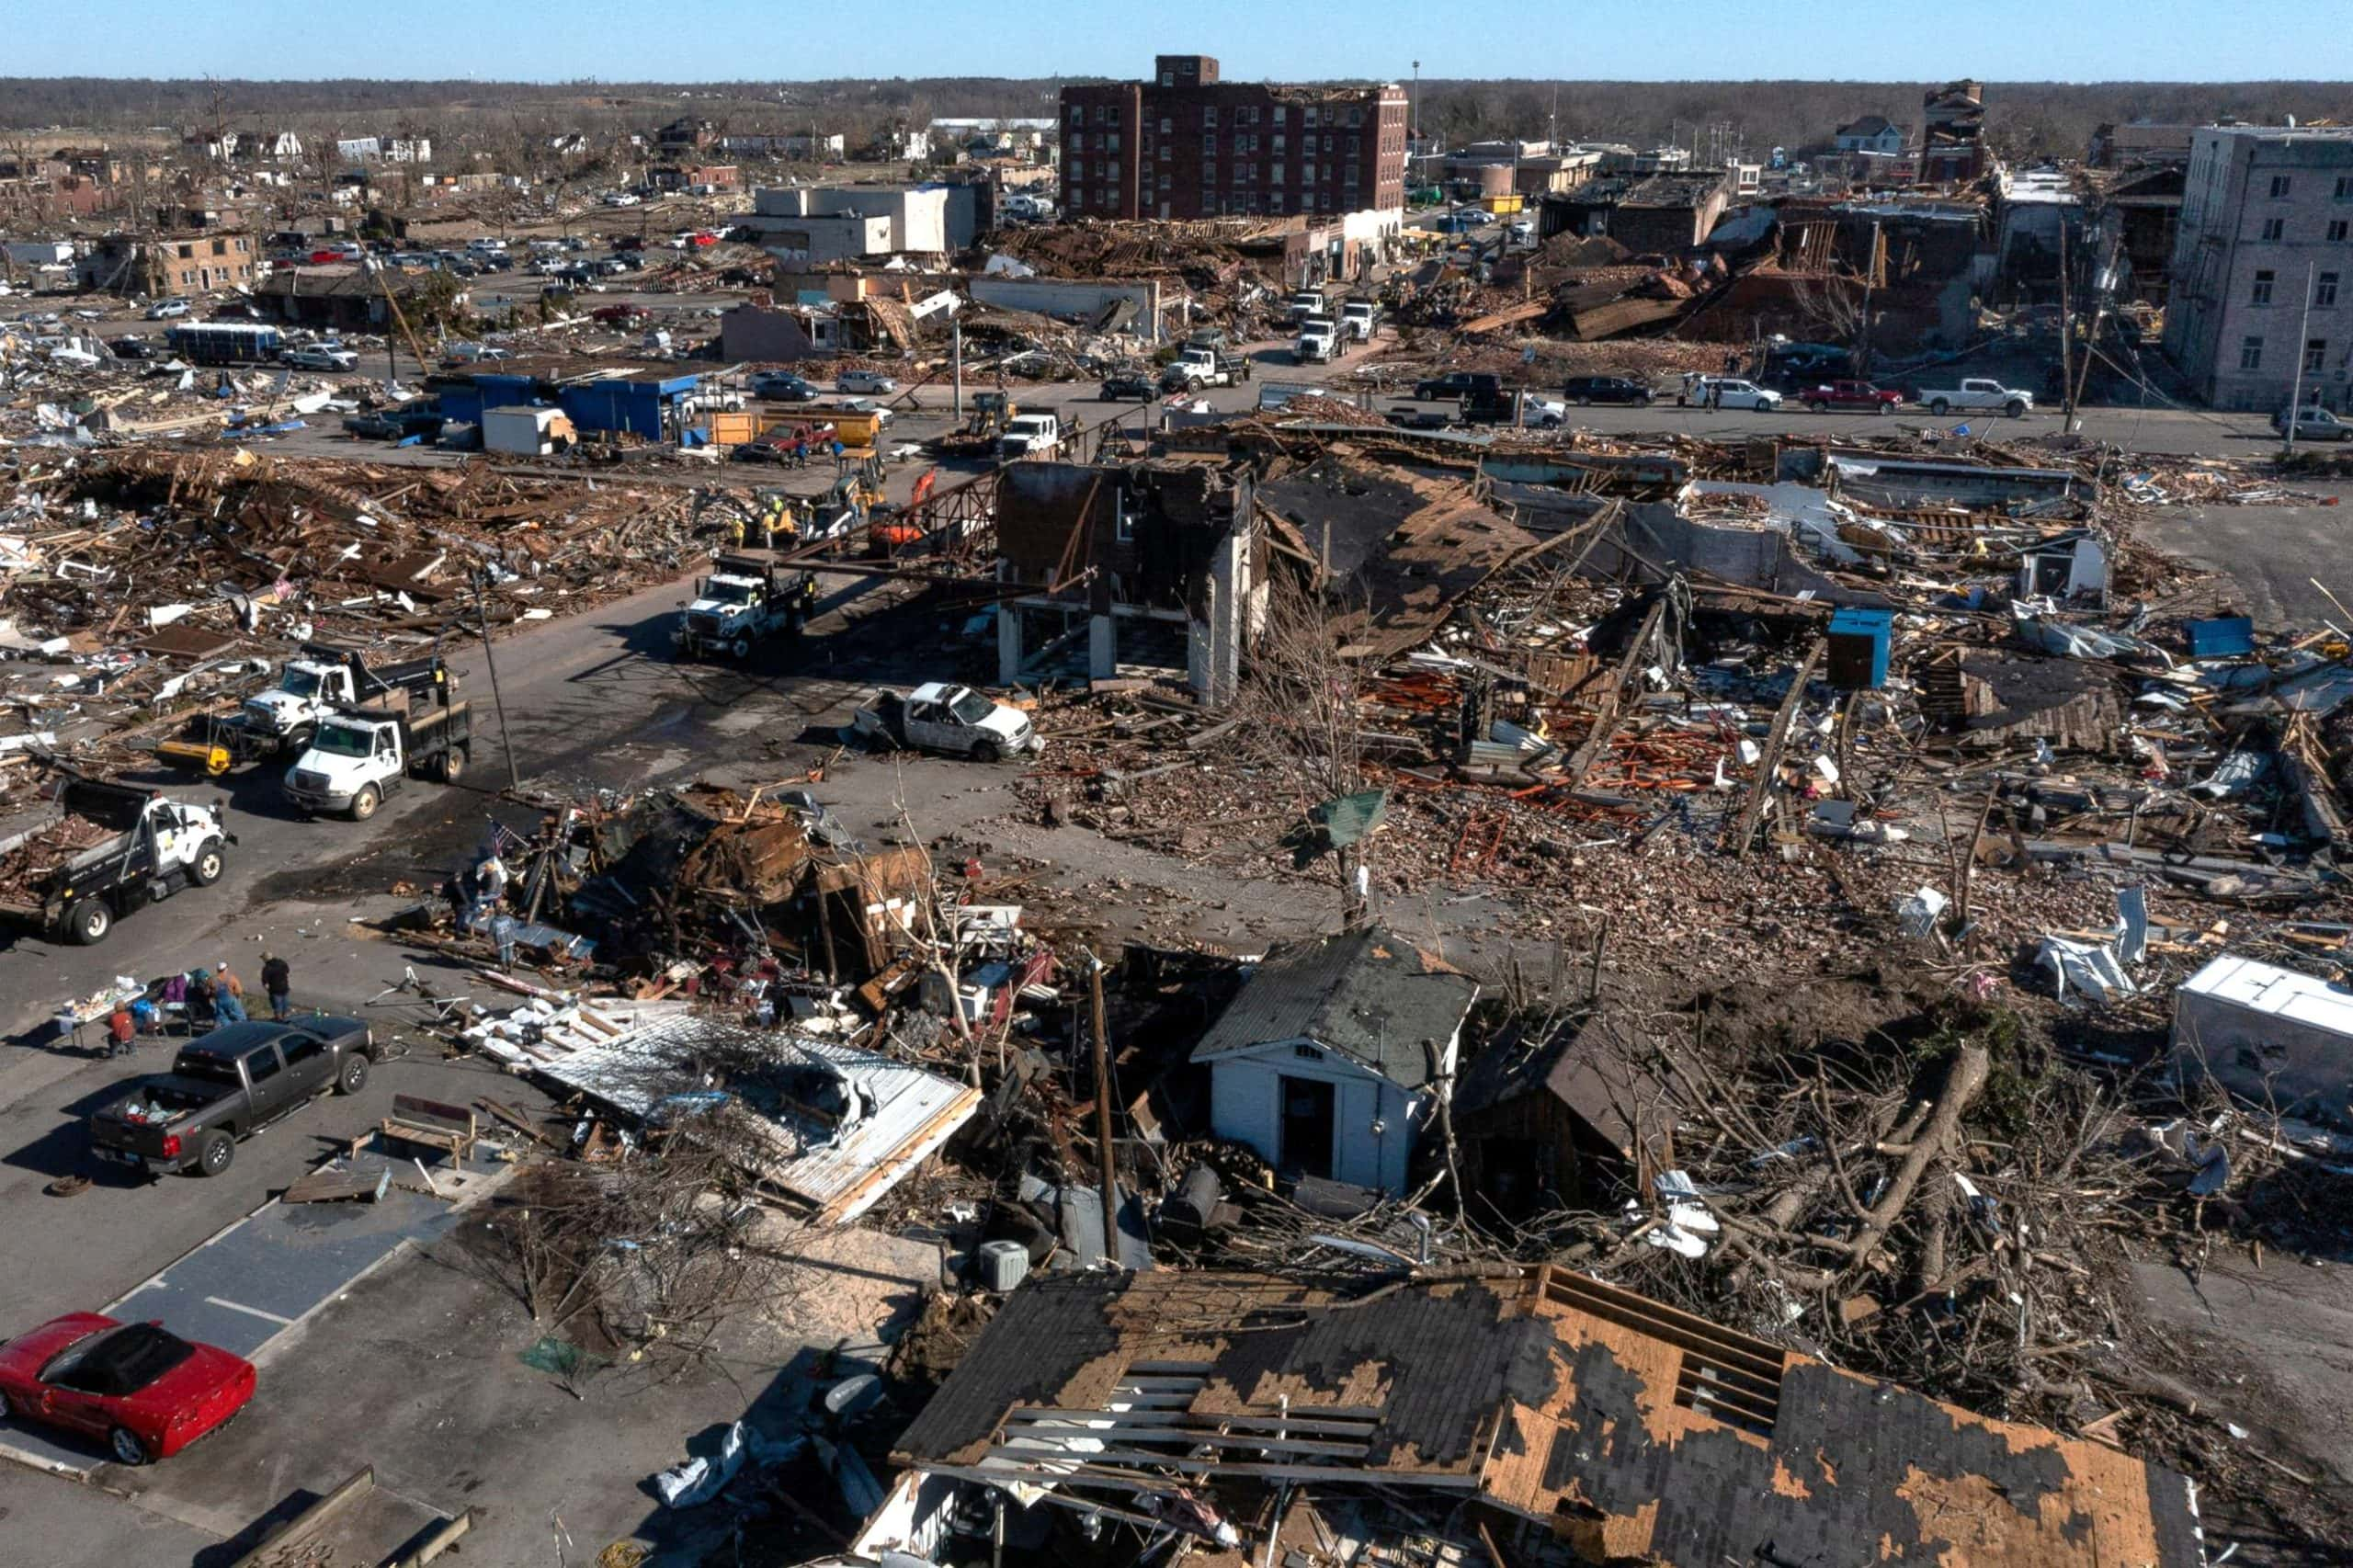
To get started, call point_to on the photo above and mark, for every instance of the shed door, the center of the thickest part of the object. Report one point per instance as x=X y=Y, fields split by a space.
x=1307 y=1127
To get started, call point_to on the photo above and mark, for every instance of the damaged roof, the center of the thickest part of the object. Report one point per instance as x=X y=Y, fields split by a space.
x=1369 y=995
x=1638 y=1432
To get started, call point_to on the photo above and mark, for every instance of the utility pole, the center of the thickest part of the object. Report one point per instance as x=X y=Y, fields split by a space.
x=1413 y=109
x=482 y=618
x=956 y=358
x=2296 y=387
x=1871 y=276
x=1103 y=1112
x=2066 y=338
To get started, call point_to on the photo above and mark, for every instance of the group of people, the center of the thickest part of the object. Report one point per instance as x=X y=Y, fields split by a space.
x=209 y=998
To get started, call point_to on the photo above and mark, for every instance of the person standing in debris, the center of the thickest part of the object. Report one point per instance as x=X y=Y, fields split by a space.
x=229 y=1000
x=278 y=982
x=800 y=448
x=490 y=888
x=121 y=1031
x=1715 y=397
x=503 y=928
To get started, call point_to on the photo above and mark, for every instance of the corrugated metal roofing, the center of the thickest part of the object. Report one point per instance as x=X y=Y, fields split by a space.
x=910 y=1112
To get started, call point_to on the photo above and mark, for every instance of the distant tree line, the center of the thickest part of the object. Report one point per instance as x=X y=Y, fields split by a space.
x=2026 y=119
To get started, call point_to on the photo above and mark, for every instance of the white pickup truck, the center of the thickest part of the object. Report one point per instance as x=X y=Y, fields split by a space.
x=1030 y=435
x=954 y=719
x=1977 y=393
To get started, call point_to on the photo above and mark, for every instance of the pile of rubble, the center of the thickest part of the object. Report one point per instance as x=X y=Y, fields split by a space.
x=140 y=584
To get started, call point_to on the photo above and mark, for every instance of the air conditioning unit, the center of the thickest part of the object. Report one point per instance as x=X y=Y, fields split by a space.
x=1004 y=1264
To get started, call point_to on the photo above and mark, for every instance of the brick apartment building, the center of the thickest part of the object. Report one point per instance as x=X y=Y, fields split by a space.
x=2267 y=215
x=168 y=267
x=1188 y=145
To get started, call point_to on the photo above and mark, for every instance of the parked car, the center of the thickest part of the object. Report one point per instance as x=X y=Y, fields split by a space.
x=1733 y=391
x=1120 y=385
x=1586 y=390
x=2313 y=424
x=168 y=310
x=864 y=381
x=227 y=1085
x=617 y=315
x=475 y=353
x=782 y=386
x=323 y=357
x=1861 y=397
x=1457 y=384
x=133 y=347
x=142 y=1391
x=619 y=198
x=1523 y=230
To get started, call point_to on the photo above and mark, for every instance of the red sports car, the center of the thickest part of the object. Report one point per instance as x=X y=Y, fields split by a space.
x=145 y=1392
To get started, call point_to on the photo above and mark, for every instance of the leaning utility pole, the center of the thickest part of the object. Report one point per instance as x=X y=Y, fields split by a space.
x=482 y=618
x=2066 y=338
x=2296 y=387
x=1103 y=1113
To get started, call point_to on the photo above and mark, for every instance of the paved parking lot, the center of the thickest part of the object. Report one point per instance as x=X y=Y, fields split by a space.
x=256 y=1280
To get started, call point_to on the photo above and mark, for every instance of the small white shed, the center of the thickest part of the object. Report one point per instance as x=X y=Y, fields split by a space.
x=1335 y=1053
x=2269 y=1035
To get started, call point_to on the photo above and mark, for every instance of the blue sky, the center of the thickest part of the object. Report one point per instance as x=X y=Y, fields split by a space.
x=685 y=41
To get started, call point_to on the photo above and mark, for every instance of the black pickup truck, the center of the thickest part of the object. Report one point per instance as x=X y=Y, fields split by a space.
x=228 y=1084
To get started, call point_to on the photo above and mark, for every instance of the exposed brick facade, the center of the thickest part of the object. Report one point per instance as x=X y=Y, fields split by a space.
x=1188 y=145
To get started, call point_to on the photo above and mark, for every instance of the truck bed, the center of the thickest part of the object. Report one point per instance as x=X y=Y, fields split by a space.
x=34 y=857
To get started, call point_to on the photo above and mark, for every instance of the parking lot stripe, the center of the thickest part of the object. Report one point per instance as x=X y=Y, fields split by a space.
x=257 y=1311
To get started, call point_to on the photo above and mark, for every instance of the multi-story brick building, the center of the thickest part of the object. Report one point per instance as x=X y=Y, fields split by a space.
x=168 y=266
x=2263 y=267
x=1188 y=145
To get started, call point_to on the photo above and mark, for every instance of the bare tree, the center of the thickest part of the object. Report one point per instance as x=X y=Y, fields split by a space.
x=1299 y=710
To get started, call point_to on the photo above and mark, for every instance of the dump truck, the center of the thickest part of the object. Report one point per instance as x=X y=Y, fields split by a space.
x=1196 y=368
x=748 y=598
x=277 y=721
x=357 y=758
x=105 y=850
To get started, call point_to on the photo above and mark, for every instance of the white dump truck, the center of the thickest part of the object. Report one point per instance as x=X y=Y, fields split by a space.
x=748 y=598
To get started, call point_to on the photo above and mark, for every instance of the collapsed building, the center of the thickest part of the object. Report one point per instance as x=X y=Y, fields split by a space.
x=1532 y=1417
